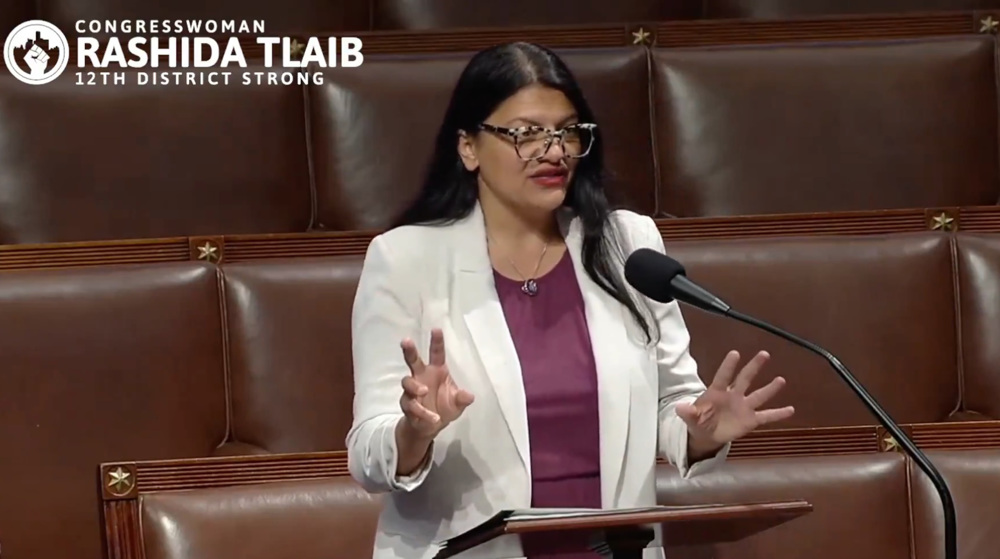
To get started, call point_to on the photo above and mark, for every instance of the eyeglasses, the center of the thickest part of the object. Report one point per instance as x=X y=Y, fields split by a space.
x=532 y=142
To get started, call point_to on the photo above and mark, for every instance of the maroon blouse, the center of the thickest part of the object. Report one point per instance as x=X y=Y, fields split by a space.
x=550 y=334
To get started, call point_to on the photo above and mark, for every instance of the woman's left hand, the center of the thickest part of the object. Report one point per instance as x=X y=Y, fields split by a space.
x=725 y=412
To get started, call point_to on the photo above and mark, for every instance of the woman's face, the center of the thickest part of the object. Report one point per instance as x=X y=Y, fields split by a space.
x=511 y=170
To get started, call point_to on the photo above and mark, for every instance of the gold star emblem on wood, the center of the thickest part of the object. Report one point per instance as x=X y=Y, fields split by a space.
x=942 y=222
x=208 y=252
x=988 y=25
x=296 y=49
x=119 y=481
x=889 y=444
x=640 y=37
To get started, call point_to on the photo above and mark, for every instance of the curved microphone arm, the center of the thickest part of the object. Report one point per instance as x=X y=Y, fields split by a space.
x=948 y=504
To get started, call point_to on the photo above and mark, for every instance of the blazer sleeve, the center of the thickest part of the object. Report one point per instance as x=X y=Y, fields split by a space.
x=678 y=377
x=386 y=310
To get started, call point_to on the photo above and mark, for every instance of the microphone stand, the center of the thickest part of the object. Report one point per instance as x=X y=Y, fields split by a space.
x=948 y=504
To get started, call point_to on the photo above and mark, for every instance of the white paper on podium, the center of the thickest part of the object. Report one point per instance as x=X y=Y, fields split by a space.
x=558 y=514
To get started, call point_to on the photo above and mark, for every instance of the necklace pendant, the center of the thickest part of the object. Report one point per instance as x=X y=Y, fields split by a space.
x=530 y=288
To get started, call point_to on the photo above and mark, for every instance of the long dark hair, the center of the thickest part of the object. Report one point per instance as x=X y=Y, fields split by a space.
x=450 y=191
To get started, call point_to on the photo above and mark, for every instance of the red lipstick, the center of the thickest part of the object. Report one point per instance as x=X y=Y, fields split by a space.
x=550 y=177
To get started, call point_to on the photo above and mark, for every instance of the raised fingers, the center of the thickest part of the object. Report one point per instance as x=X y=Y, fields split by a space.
x=759 y=397
x=411 y=356
x=724 y=376
x=437 y=348
x=749 y=372
x=775 y=415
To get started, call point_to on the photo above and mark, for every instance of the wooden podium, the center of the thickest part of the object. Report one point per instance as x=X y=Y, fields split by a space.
x=623 y=534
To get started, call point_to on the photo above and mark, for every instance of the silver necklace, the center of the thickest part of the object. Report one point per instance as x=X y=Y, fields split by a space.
x=530 y=286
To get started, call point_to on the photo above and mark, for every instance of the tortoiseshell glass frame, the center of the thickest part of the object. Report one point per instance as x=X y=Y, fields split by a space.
x=516 y=133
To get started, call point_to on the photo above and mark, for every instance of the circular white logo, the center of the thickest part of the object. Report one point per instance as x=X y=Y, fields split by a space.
x=36 y=52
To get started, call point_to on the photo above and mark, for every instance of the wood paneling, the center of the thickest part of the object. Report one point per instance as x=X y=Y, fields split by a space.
x=238 y=248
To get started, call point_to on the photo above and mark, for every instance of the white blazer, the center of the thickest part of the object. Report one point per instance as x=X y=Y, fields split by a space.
x=416 y=278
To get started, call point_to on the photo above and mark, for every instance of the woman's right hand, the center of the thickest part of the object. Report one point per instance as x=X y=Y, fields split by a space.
x=431 y=400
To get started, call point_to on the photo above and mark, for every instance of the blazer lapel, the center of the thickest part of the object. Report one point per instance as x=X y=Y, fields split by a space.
x=611 y=345
x=484 y=318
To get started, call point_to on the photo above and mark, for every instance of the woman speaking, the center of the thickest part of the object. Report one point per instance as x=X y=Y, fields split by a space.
x=500 y=359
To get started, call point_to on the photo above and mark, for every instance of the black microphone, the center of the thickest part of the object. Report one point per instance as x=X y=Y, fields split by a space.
x=663 y=279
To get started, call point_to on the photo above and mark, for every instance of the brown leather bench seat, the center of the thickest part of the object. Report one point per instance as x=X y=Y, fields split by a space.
x=868 y=506
x=860 y=505
x=721 y=131
x=885 y=305
x=98 y=364
x=974 y=480
x=134 y=161
x=304 y=519
x=735 y=130
x=825 y=126
x=394 y=93
x=191 y=360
